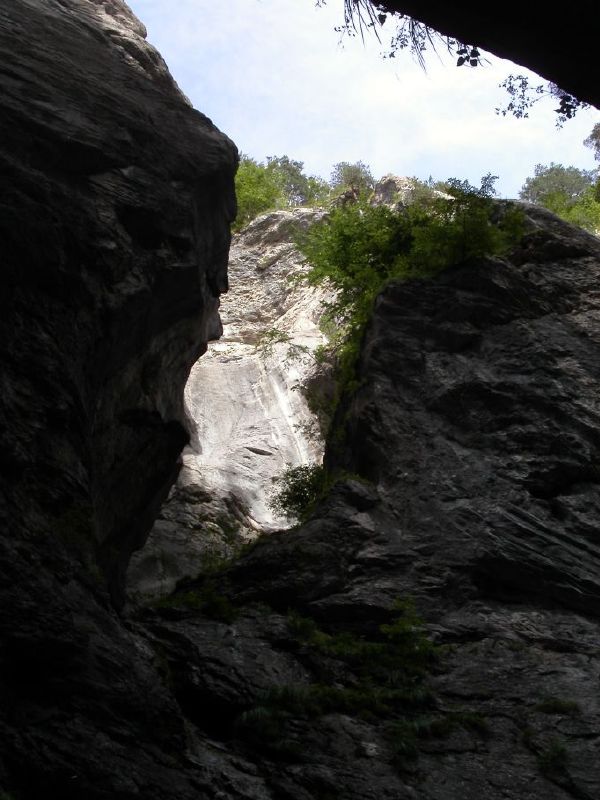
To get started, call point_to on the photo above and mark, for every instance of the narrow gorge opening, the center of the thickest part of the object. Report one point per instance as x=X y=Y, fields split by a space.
x=430 y=631
x=247 y=396
x=249 y=407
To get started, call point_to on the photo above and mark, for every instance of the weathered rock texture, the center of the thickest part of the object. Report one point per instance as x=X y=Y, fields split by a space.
x=250 y=416
x=115 y=202
x=477 y=427
x=476 y=421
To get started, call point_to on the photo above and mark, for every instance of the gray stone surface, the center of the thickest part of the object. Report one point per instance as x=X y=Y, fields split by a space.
x=476 y=423
x=115 y=202
x=246 y=400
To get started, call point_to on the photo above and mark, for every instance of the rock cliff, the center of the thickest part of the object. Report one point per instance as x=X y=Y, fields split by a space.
x=476 y=433
x=115 y=203
x=246 y=400
x=116 y=199
x=300 y=670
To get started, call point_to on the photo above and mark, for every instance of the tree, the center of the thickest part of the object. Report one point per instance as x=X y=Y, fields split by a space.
x=556 y=181
x=355 y=176
x=280 y=183
x=298 y=189
x=257 y=190
x=289 y=174
x=568 y=192
x=593 y=141
x=318 y=191
x=560 y=47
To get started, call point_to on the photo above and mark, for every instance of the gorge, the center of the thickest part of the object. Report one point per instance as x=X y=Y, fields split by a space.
x=430 y=632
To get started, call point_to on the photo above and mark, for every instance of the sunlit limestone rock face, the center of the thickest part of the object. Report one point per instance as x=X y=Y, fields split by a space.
x=246 y=399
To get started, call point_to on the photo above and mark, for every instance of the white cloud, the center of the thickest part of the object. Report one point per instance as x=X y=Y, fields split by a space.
x=271 y=75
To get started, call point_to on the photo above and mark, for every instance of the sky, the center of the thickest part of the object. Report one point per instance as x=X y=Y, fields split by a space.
x=274 y=76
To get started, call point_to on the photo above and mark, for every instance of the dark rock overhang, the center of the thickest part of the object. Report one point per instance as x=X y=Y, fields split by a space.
x=561 y=47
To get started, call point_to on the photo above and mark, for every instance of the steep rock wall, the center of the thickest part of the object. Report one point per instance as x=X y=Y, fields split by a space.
x=475 y=427
x=115 y=206
x=248 y=409
x=495 y=536
x=115 y=203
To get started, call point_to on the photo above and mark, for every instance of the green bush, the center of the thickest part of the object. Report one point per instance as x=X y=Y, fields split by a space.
x=583 y=212
x=205 y=600
x=554 y=705
x=299 y=489
x=257 y=189
x=569 y=192
x=553 y=759
x=358 y=248
x=280 y=183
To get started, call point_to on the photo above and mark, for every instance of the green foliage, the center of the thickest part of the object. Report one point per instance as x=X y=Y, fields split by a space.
x=297 y=188
x=393 y=666
x=555 y=179
x=584 y=212
x=269 y=338
x=402 y=736
x=280 y=183
x=442 y=726
x=265 y=346
x=299 y=489
x=206 y=600
x=257 y=189
x=593 y=141
x=381 y=680
x=568 y=192
x=318 y=191
x=450 y=231
x=290 y=176
x=554 y=705
x=359 y=247
x=355 y=250
x=355 y=176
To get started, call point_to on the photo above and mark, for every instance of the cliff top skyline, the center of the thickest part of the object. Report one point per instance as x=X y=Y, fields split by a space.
x=273 y=75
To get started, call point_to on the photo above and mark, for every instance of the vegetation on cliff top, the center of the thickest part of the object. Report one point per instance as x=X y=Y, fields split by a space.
x=571 y=193
x=282 y=183
x=358 y=248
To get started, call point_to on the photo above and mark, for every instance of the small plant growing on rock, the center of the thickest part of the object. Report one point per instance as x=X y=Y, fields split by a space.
x=206 y=600
x=382 y=680
x=358 y=248
x=299 y=489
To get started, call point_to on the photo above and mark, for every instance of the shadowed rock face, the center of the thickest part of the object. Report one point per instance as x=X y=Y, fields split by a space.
x=476 y=424
x=115 y=202
x=476 y=421
x=114 y=210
